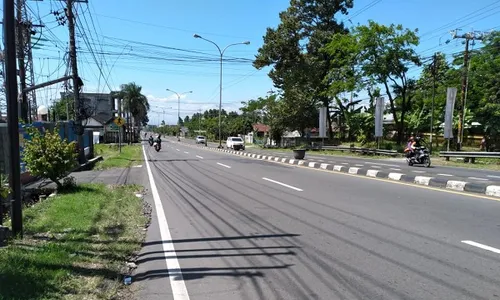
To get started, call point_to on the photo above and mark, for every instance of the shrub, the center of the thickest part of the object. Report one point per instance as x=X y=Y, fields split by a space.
x=48 y=156
x=4 y=187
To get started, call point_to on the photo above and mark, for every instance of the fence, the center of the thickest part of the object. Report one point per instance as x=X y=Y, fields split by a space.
x=65 y=131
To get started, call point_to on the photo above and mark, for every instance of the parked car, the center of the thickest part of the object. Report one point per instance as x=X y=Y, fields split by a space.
x=201 y=140
x=235 y=143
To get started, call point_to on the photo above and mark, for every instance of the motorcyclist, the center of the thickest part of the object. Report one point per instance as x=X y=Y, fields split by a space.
x=151 y=139
x=409 y=147
x=416 y=145
x=158 y=140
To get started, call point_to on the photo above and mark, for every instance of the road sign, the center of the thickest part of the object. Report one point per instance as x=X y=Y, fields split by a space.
x=119 y=121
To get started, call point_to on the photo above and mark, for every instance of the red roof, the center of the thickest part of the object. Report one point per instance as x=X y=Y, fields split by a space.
x=260 y=127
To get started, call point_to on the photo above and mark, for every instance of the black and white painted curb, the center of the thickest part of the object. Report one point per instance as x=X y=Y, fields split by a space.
x=456 y=185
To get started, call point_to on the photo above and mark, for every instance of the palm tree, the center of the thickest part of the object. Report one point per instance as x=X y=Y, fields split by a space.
x=135 y=103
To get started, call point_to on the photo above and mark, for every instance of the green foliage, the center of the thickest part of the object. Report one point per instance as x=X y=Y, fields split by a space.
x=134 y=102
x=48 y=156
x=4 y=186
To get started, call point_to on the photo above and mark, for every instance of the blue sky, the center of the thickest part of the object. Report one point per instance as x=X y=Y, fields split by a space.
x=172 y=58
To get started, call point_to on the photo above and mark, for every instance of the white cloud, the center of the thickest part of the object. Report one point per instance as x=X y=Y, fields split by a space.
x=164 y=99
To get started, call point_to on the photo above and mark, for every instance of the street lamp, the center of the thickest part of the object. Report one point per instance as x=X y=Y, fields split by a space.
x=179 y=104
x=221 y=52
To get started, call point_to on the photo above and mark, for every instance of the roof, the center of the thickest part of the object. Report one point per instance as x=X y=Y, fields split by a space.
x=102 y=118
x=261 y=127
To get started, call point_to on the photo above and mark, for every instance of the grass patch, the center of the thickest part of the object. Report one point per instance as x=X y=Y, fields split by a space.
x=75 y=246
x=112 y=158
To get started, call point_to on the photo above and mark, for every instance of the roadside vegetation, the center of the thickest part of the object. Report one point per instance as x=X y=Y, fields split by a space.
x=130 y=155
x=75 y=246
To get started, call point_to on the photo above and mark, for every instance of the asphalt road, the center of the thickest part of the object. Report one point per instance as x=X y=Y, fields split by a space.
x=398 y=165
x=249 y=229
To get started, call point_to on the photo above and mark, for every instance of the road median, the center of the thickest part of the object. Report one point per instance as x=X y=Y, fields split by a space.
x=455 y=185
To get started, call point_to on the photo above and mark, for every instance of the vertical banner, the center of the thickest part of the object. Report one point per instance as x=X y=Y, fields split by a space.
x=322 y=122
x=379 y=117
x=451 y=95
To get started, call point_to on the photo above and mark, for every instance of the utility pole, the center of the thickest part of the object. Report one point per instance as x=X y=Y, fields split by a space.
x=21 y=29
x=76 y=81
x=3 y=98
x=469 y=36
x=9 y=30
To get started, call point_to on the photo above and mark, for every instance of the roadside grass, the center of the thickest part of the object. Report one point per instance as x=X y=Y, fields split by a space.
x=112 y=158
x=76 y=245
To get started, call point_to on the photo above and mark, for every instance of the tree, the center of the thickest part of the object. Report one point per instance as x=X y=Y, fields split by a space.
x=484 y=84
x=180 y=122
x=48 y=156
x=61 y=108
x=387 y=53
x=135 y=103
x=295 y=51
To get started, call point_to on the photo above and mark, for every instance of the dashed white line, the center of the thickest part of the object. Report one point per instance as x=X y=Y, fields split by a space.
x=445 y=175
x=477 y=178
x=395 y=169
x=484 y=247
x=493 y=176
x=380 y=164
x=282 y=184
x=177 y=283
x=359 y=165
x=225 y=166
x=200 y=157
x=420 y=172
x=177 y=149
x=376 y=167
x=186 y=152
x=345 y=163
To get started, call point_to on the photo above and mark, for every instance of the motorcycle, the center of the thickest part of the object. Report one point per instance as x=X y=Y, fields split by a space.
x=157 y=146
x=421 y=157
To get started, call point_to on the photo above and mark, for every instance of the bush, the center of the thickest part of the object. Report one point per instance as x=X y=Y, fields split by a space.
x=48 y=156
x=4 y=187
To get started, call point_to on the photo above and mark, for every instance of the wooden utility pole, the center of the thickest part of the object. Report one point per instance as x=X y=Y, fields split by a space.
x=470 y=36
x=9 y=33
x=21 y=30
x=76 y=81
x=434 y=70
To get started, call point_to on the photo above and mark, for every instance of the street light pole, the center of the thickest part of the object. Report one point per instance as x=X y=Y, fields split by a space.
x=221 y=52
x=179 y=106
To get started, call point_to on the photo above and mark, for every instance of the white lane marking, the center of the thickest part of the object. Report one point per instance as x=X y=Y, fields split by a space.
x=359 y=165
x=395 y=169
x=201 y=157
x=345 y=163
x=484 y=247
x=177 y=283
x=493 y=176
x=420 y=172
x=445 y=175
x=186 y=152
x=138 y=166
x=225 y=166
x=477 y=178
x=177 y=149
x=282 y=184
x=376 y=167
x=380 y=164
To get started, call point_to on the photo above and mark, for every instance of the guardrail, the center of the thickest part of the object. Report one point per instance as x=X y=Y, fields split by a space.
x=361 y=150
x=468 y=156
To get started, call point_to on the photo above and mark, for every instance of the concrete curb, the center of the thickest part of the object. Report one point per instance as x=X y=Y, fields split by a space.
x=460 y=186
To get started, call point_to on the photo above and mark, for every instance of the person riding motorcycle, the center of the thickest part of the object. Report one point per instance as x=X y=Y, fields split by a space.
x=409 y=147
x=151 y=139
x=158 y=140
